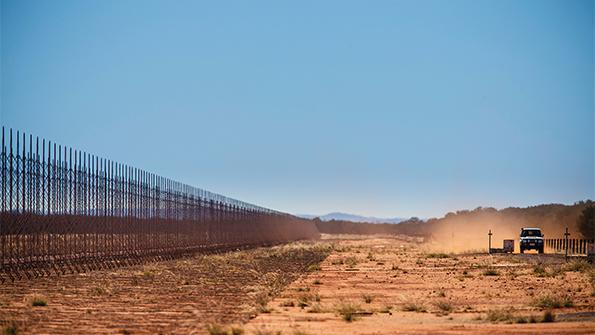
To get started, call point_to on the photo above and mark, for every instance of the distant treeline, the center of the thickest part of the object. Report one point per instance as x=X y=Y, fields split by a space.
x=412 y=226
x=507 y=222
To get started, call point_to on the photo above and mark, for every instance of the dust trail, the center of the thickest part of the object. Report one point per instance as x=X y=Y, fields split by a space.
x=468 y=230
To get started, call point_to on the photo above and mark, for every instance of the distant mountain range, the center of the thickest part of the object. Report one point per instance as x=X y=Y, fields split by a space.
x=352 y=218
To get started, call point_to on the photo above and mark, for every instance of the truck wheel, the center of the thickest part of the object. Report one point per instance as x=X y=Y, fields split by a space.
x=522 y=251
x=541 y=250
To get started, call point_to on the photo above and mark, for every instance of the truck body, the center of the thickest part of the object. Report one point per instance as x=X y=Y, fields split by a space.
x=531 y=239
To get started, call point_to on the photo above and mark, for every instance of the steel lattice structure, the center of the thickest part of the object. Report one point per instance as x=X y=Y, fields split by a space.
x=63 y=210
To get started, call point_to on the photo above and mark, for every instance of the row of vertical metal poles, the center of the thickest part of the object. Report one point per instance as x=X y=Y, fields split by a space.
x=66 y=210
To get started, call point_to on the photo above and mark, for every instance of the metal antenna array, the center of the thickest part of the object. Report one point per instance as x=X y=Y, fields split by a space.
x=66 y=211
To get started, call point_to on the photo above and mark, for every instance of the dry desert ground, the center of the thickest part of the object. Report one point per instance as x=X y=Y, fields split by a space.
x=338 y=285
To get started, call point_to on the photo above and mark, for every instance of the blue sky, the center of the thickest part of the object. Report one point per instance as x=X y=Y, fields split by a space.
x=386 y=108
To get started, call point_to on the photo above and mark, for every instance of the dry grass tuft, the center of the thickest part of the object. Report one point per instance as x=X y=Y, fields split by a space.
x=491 y=272
x=215 y=329
x=500 y=315
x=38 y=301
x=552 y=301
x=414 y=307
x=439 y=255
x=577 y=265
x=348 y=311
x=444 y=307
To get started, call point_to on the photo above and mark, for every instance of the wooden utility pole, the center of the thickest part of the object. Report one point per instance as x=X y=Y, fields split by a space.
x=566 y=244
x=490 y=242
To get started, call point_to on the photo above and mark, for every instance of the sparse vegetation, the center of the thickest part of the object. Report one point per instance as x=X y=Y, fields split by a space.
x=316 y=308
x=444 y=307
x=577 y=265
x=263 y=308
x=548 y=316
x=215 y=329
x=386 y=309
x=314 y=267
x=437 y=255
x=304 y=300
x=38 y=302
x=264 y=331
x=10 y=330
x=338 y=261
x=414 y=307
x=351 y=262
x=99 y=291
x=348 y=311
x=491 y=272
x=287 y=303
x=149 y=274
x=443 y=295
x=539 y=270
x=551 y=301
x=499 y=315
x=316 y=297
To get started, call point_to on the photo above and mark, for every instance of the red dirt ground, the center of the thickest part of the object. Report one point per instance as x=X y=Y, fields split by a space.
x=179 y=296
x=455 y=293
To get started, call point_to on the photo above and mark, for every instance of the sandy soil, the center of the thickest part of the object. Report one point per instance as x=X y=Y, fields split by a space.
x=168 y=297
x=472 y=293
x=388 y=285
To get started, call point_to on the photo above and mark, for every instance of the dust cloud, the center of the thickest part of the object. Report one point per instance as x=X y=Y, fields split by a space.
x=468 y=230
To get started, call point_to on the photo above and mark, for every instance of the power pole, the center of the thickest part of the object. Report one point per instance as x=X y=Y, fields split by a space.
x=490 y=242
x=566 y=244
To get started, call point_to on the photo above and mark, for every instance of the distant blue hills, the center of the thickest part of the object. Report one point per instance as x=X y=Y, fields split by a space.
x=351 y=217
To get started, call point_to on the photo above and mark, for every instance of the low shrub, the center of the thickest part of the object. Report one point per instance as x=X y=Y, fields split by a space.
x=444 y=307
x=348 y=311
x=215 y=329
x=499 y=315
x=577 y=265
x=10 y=330
x=414 y=307
x=38 y=302
x=316 y=308
x=287 y=303
x=491 y=272
x=437 y=255
x=551 y=301
x=548 y=316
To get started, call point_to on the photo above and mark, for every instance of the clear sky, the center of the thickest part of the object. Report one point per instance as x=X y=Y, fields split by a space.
x=386 y=108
